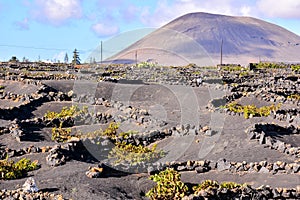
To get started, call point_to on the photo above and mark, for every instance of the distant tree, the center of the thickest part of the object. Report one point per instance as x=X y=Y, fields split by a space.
x=14 y=59
x=66 y=58
x=25 y=59
x=76 y=59
x=92 y=60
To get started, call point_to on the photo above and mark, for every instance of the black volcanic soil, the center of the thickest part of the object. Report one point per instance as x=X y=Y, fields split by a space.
x=231 y=142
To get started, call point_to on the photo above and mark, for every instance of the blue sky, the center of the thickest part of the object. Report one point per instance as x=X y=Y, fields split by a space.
x=48 y=29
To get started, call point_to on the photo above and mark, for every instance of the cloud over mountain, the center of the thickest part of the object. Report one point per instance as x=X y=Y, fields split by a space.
x=56 y=12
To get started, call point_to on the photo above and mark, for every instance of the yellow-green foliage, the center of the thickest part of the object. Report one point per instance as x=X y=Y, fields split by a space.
x=244 y=73
x=146 y=64
x=2 y=87
x=127 y=134
x=233 y=68
x=252 y=109
x=230 y=185
x=13 y=170
x=61 y=134
x=72 y=111
x=267 y=65
x=210 y=67
x=205 y=185
x=34 y=74
x=294 y=96
x=296 y=68
x=133 y=154
x=111 y=130
x=169 y=186
x=209 y=184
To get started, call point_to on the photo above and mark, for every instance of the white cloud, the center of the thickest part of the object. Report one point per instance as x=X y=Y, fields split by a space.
x=280 y=8
x=166 y=11
x=22 y=25
x=57 y=12
x=104 y=30
x=246 y=10
x=130 y=13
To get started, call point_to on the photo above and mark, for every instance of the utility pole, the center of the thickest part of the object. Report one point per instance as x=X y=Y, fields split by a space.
x=101 y=53
x=221 y=61
x=136 y=58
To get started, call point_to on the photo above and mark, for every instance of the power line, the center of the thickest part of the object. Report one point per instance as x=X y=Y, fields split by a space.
x=32 y=47
x=39 y=48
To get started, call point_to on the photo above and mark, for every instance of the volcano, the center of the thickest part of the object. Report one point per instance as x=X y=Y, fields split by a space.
x=199 y=38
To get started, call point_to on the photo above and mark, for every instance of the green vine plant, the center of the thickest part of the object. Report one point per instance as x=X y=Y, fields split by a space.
x=2 y=88
x=60 y=134
x=294 y=96
x=233 y=68
x=127 y=153
x=295 y=68
x=133 y=154
x=210 y=184
x=111 y=130
x=13 y=170
x=72 y=111
x=267 y=65
x=251 y=110
x=125 y=135
x=123 y=152
x=205 y=185
x=169 y=186
x=230 y=185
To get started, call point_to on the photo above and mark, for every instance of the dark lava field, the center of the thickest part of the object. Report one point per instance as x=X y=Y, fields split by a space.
x=224 y=132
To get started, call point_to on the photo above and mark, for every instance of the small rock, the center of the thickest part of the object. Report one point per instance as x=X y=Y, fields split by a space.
x=263 y=170
x=208 y=133
x=200 y=169
x=30 y=186
x=262 y=138
x=222 y=165
x=94 y=172
x=181 y=168
x=205 y=128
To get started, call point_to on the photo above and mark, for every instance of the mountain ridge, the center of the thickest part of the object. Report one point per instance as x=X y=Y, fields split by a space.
x=245 y=39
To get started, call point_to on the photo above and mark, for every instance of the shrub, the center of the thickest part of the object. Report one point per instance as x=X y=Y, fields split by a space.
x=14 y=170
x=72 y=111
x=111 y=130
x=230 y=185
x=169 y=186
x=125 y=135
x=133 y=154
x=267 y=65
x=294 y=96
x=209 y=184
x=61 y=134
x=2 y=87
x=147 y=64
x=251 y=109
x=295 y=68
x=233 y=68
x=205 y=185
